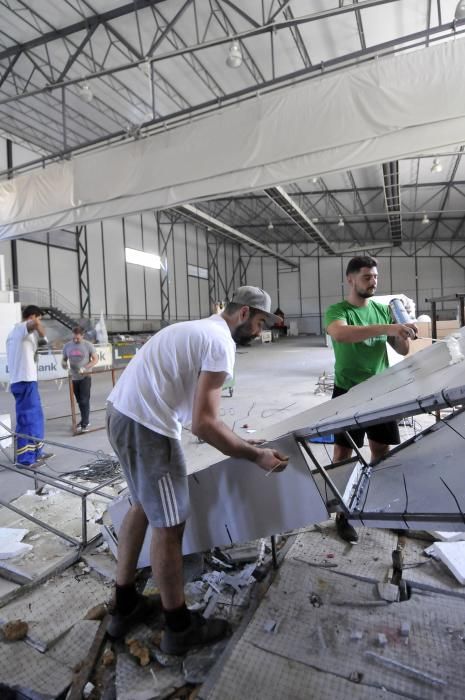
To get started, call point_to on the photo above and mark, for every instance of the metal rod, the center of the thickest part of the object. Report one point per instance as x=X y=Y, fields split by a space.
x=84 y=520
x=30 y=517
x=273 y=551
x=305 y=446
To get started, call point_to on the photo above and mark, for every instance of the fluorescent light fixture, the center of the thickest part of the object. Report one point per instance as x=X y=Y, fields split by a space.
x=234 y=59
x=436 y=167
x=425 y=220
x=460 y=10
x=341 y=222
x=138 y=257
x=85 y=93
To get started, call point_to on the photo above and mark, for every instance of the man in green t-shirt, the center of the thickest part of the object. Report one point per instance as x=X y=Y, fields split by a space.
x=360 y=328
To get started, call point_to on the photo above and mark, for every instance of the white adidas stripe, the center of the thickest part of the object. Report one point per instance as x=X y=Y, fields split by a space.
x=169 y=502
x=163 y=500
x=173 y=498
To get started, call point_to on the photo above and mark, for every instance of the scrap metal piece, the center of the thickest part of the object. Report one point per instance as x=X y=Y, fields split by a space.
x=415 y=672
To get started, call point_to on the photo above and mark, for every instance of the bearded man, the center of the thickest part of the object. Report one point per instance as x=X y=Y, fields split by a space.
x=360 y=328
x=175 y=380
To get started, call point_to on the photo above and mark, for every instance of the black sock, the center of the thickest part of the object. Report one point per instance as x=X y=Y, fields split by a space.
x=126 y=598
x=178 y=619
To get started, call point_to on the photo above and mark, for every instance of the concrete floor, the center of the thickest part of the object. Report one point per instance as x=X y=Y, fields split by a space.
x=273 y=382
x=316 y=650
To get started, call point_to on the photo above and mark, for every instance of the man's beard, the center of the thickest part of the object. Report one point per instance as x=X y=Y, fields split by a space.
x=243 y=333
x=365 y=294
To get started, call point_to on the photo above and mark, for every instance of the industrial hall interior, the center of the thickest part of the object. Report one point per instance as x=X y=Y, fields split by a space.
x=232 y=349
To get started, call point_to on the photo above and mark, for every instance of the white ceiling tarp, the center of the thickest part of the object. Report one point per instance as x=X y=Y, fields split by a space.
x=389 y=108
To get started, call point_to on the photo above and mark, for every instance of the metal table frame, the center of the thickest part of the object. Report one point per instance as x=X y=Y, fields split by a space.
x=41 y=476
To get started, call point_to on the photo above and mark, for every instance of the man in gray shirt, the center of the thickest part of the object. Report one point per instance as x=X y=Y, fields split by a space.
x=81 y=356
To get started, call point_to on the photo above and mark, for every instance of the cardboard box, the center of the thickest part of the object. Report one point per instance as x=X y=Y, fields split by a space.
x=445 y=328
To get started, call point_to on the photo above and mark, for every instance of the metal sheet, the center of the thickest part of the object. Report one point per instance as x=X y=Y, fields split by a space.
x=423 y=382
x=421 y=485
x=234 y=501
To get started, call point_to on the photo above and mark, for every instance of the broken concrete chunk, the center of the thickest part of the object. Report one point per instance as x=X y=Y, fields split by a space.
x=269 y=625
x=88 y=688
x=381 y=639
x=108 y=657
x=15 y=630
x=356 y=635
x=405 y=629
x=138 y=650
x=388 y=592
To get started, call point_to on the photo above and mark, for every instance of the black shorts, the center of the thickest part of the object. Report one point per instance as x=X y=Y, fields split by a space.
x=384 y=433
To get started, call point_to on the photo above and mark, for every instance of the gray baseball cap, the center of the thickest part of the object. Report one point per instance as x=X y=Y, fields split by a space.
x=256 y=298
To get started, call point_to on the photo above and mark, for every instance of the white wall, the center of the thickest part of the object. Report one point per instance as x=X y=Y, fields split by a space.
x=128 y=291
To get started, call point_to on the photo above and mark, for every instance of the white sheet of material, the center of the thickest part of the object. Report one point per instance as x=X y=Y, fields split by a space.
x=407 y=388
x=388 y=108
x=233 y=501
x=10 y=542
x=452 y=554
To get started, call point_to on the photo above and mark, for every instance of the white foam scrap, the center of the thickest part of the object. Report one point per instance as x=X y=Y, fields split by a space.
x=448 y=536
x=10 y=542
x=453 y=345
x=452 y=554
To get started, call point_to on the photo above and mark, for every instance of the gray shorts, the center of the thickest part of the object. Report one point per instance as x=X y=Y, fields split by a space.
x=154 y=467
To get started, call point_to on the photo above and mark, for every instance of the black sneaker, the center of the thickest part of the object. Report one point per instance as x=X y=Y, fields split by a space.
x=44 y=456
x=345 y=531
x=120 y=625
x=200 y=631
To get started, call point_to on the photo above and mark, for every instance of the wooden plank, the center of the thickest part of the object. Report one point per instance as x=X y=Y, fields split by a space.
x=83 y=675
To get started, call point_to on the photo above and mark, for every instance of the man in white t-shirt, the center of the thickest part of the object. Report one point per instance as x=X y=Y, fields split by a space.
x=174 y=380
x=21 y=347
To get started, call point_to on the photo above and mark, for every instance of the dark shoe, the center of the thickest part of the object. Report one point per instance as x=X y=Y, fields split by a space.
x=200 y=631
x=120 y=625
x=44 y=456
x=345 y=531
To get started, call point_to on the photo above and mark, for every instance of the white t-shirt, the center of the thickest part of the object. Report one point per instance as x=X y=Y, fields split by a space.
x=21 y=346
x=157 y=387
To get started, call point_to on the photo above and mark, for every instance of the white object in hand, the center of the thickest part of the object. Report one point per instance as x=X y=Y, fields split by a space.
x=453 y=345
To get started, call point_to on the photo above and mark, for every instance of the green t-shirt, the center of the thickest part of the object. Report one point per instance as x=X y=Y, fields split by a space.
x=356 y=362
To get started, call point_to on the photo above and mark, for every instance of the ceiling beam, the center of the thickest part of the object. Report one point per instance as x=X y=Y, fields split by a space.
x=391 y=185
x=83 y=25
x=295 y=213
x=220 y=227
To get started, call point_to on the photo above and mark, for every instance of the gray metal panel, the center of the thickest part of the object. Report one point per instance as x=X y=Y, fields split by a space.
x=423 y=382
x=421 y=483
x=235 y=501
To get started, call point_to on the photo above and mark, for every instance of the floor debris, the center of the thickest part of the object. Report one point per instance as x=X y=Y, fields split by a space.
x=14 y=630
x=415 y=672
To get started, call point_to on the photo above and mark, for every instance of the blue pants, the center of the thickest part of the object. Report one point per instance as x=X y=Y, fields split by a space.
x=29 y=421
